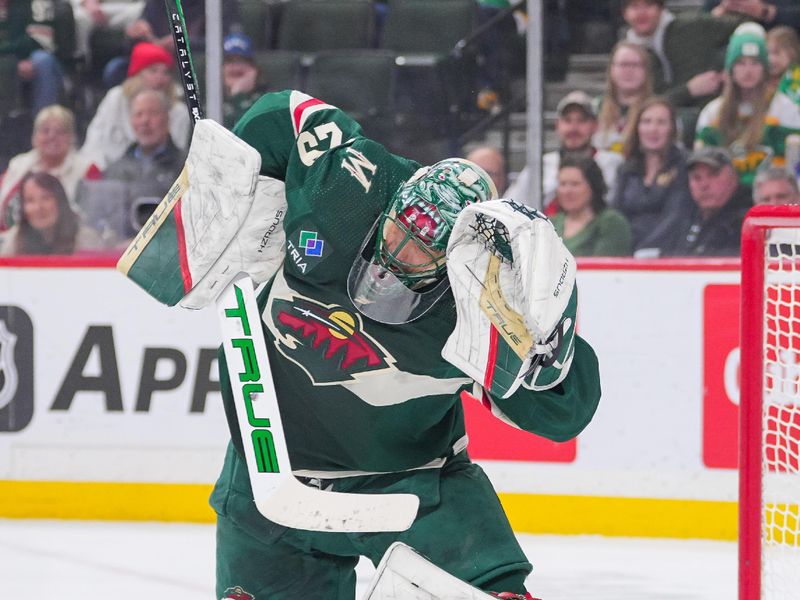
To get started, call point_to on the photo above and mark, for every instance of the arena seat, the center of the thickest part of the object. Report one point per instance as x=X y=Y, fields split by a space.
x=319 y=25
x=434 y=84
x=360 y=82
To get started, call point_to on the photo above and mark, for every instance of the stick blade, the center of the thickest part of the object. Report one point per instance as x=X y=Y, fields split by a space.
x=301 y=507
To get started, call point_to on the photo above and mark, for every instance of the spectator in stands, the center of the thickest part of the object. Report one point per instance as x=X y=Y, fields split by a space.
x=110 y=132
x=97 y=14
x=783 y=50
x=53 y=152
x=575 y=126
x=493 y=162
x=713 y=225
x=154 y=161
x=496 y=48
x=587 y=226
x=652 y=185
x=239 y=77
x=769 y=14
x=27 y=33
x=47 y=224
x=629 y=82
x=743 y=119
x=155 y=28
x=775 y=186
x=687 y=49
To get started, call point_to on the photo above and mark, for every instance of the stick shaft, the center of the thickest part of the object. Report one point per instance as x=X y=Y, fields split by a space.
x=183 y=55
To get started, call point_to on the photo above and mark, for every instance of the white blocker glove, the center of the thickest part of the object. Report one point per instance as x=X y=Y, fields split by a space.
x=514 y=285
x=219 y=218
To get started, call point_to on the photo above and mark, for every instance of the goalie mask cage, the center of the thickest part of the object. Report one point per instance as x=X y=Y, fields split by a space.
x=769 y=461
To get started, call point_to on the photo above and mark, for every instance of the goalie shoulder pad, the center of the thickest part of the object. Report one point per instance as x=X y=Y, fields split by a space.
x=512 y=278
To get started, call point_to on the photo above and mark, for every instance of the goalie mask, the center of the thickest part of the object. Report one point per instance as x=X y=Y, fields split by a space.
x=400 y=271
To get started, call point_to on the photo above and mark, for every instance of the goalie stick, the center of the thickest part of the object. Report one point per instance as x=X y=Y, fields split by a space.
x=278 y=495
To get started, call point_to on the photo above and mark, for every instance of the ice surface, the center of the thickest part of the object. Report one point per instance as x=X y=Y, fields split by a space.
x=80 y=560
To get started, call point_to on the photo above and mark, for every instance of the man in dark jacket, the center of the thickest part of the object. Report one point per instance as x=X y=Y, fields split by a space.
x=151 y=165
x=688 y=49
x=713 y=226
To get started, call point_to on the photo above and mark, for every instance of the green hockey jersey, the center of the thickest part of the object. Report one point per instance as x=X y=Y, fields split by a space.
x=358 y=396
x=782 y=119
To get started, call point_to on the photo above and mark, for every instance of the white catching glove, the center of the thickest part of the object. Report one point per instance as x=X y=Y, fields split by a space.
x=218 y=219
x=514 y=285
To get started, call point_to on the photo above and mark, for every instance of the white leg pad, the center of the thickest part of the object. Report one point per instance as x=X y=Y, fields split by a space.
x=404 y=574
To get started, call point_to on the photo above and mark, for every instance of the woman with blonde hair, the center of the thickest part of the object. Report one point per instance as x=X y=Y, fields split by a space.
x=746 y=118
x=783 y=48
x=110 y=132
x=629 y=81
x=47 y=224
x=53 y=151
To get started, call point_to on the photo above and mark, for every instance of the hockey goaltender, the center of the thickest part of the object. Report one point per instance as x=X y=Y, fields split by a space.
x=392 y=292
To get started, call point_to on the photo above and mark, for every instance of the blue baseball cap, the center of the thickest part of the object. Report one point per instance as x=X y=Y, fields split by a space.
x=238 y=44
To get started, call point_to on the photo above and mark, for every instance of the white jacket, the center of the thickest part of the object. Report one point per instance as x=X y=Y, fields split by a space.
x=110 y=133
x=521 y=191
x=75 y=167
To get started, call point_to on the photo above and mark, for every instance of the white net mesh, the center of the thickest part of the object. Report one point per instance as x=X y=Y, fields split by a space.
x=780 y=530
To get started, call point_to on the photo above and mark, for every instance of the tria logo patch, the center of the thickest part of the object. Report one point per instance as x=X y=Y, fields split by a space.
x=237 y=593
x=305 y=249
x=327 y=342
x=310 y=243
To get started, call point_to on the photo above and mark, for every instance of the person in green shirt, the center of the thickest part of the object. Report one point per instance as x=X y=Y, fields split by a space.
x=783 y=50
x=27 y=35
x=585 y=223
x=745 y=118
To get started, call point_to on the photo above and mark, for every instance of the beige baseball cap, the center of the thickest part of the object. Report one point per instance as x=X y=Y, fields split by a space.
x=579 y=99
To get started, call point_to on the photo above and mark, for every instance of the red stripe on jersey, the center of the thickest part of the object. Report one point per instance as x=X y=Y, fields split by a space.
x=182 y=257
x=488 y=377
x=484 y=399
x=300 y=108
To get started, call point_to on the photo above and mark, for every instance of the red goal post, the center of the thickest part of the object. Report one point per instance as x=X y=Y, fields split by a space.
x=769 y=452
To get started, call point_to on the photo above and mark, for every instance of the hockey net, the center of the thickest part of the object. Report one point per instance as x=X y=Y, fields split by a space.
x=769 y=469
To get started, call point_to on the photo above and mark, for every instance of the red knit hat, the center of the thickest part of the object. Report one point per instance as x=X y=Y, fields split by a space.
x=145 y=54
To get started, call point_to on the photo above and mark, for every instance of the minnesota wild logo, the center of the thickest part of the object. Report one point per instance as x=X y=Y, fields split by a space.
x=326 y=341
